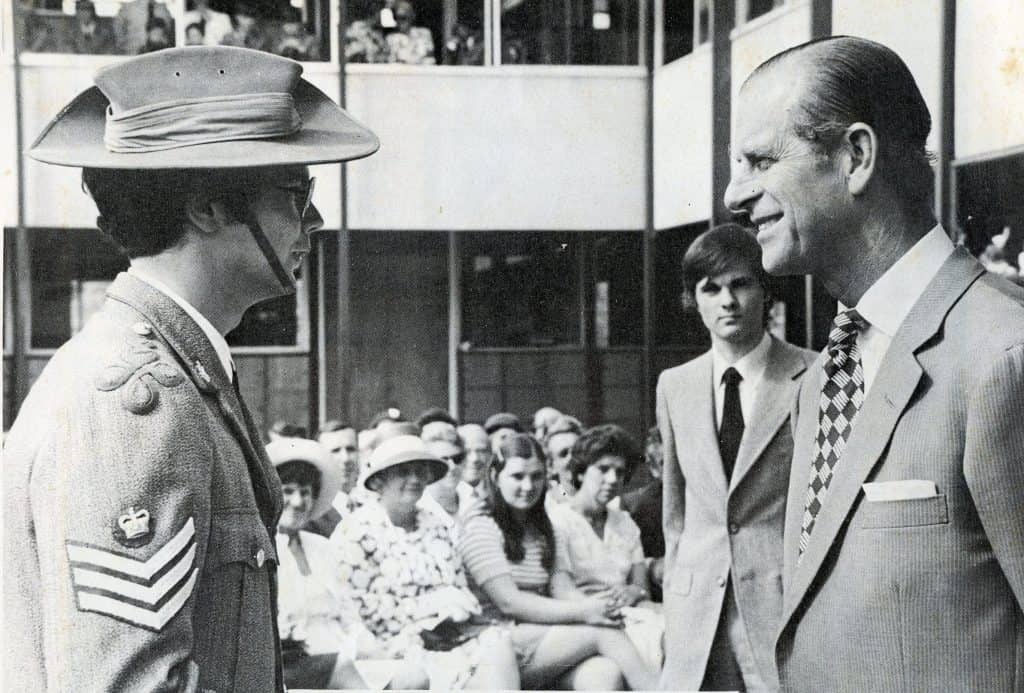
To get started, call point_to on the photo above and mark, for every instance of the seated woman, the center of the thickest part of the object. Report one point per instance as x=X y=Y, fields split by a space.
x=604 y=546
x=320 y=631
x=518 y=567
x=400 y=565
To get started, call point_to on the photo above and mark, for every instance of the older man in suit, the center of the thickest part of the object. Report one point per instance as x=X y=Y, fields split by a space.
x=904 y=553
x=140 y=507
x=726 y=439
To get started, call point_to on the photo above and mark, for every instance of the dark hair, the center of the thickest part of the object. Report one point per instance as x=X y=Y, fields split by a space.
x=334 y=425
x=144 y=211
x=596 y=442
x=300 y=472
x=435 y=414
x=719 y=250
x=156 y=23
x=201 y=25
x=850 y=79
x=513 y=530
x=288 y=429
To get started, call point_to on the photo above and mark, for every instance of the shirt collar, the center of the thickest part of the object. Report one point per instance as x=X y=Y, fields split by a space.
x=750 y=366
x=888 y=301
x=220 y=345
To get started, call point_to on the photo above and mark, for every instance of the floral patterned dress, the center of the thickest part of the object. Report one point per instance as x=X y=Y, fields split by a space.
x=399 y=578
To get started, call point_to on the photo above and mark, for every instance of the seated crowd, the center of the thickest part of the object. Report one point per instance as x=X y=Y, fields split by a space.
x=428 y=554
x=387 y=34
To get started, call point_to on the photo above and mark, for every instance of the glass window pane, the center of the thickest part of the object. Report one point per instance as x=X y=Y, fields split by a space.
x=299 y=29
x=676 y=323
x=618 y=290
x=520 y=290
x=71 y=270
x=677 y=27
x=569 y=32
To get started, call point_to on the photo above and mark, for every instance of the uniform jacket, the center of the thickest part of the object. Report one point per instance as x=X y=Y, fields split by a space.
x=139 y=515
x=924 y=594
x=714 y=528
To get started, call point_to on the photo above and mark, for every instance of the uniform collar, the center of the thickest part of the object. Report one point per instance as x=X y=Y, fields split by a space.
x=888 y=301
x=217 y=341
x=750 y=366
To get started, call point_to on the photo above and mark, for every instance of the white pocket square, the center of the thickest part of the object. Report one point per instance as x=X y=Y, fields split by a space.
x=899 y=490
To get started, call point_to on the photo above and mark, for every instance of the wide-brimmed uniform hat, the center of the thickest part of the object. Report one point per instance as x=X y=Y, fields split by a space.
x=400 y=450
x=301 y=450
x=202 y=107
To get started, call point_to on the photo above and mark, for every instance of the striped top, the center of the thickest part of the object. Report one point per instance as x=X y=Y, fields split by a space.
x=482 y=549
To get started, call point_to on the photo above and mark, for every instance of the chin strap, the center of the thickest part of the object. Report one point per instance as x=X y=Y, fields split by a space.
x=284 y=277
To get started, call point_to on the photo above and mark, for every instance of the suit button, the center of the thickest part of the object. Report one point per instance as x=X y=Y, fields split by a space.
x=721 y=582
x=261 y=557
x=733 y=528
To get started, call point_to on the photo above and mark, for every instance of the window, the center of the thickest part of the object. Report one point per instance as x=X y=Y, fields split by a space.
x=677 y=322
x=990 y=213
x=298 y=29
x=415 y=32
x=520 y=290
x=71 y=270
x=618 y=291
x=747 y=10
x=569 y=32
x=677 y=28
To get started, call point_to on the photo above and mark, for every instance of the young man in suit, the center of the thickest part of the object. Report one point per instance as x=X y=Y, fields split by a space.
x=140 y=507
x=724 y=420
x=904 y=550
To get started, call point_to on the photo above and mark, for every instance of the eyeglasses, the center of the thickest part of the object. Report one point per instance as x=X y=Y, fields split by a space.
x=301 y=193
x=455 y=459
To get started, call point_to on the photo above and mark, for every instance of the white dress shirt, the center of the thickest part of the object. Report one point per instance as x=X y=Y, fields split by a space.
x=751 y=367
x=887 y=302
x=220 y=345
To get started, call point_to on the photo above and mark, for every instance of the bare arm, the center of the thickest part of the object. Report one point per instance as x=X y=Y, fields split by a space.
x=534 y=608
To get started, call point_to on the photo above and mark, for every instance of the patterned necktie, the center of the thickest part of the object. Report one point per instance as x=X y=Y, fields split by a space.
x=841 y=399
x=730 y=433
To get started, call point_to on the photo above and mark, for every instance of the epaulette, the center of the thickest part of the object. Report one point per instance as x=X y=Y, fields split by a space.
x=139 y=373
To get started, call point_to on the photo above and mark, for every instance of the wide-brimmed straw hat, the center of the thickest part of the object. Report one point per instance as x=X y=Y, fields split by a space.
x=202 y=107
x=399 y=450
x=301 y=450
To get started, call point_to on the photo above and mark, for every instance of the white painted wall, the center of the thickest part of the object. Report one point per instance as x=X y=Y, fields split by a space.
x=912 y=28
x=463 y=148
x=989 y=76
x=682 y=140
x=505 y=148
x=760 y=39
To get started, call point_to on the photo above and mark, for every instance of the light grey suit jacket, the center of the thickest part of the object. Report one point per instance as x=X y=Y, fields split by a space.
x=919 y=594
x=714 y=527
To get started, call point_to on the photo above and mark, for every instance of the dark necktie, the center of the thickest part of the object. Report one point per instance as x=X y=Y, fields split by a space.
x=730 y=433
x=841 y=399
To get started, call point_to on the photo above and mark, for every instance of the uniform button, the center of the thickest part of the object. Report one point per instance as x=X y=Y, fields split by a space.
x=143 y=329
x=733 y=528
x=261 y=557
x=721 y=582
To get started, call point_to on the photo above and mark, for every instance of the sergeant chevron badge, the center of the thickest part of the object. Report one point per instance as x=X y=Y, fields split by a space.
x=147 y=593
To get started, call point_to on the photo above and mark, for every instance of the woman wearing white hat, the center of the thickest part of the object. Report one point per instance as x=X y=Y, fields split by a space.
x=400 y=564
x=321 y=632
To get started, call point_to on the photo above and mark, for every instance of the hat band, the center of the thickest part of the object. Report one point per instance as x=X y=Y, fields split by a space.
x=186 y=122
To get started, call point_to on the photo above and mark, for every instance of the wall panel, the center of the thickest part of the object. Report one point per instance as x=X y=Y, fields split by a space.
x=682 y=140
x=509 y=148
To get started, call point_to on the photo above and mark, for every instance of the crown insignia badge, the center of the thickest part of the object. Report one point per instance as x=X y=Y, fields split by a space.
x=133 y=527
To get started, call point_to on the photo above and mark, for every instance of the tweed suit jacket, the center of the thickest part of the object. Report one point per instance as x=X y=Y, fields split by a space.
x=139 y=515
x=924 y=594
x=716 y=528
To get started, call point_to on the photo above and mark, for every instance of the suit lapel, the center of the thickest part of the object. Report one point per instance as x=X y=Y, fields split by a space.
x=773 y=402
x=199 y=357
x=891 y=391
x=693 y=415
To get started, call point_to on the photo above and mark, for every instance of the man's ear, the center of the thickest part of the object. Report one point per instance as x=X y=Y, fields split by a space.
x=860 y=145
x=207 y=213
